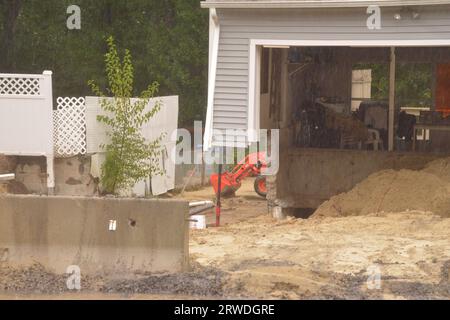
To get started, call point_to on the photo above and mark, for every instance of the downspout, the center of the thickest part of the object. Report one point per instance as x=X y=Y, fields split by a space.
x=214 y=34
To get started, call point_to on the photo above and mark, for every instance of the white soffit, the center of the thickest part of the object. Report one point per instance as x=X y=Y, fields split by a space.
x=280 y=4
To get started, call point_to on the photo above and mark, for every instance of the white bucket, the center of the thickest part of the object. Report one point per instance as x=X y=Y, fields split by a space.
x=198 y=222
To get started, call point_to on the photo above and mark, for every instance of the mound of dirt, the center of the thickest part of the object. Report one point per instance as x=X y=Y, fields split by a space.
x=396 y=191
x=440 y=168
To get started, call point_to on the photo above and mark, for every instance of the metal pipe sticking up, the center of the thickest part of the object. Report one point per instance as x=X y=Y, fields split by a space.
x=197 y=207
x=219 y=192
x=7 y=177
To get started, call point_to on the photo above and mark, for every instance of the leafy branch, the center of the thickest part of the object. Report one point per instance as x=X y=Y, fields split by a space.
x=129 y=157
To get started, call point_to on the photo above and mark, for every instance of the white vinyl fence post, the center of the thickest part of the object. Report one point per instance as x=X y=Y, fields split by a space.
x=47 y=92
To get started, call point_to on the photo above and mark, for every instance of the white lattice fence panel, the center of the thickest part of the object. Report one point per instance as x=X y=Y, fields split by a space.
x=20 y=86
x=70 y=127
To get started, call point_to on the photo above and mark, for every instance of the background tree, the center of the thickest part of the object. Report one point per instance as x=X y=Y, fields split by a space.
x=413 y=83
x=10 y=11
x=168 y=38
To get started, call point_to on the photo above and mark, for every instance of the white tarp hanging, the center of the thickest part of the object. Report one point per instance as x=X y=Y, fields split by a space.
x=165 y=121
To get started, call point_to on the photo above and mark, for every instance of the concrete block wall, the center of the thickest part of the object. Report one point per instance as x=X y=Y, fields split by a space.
x=57 y=232
x=7 y=165
x=72 y=176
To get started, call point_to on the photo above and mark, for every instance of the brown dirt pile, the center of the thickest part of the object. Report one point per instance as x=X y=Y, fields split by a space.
x=396 y=191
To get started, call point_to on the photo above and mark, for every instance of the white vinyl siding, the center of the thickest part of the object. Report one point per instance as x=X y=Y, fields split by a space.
x=239 y=26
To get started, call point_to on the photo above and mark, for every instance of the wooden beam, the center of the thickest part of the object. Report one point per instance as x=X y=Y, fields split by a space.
x=285 y=118
x=391 y=126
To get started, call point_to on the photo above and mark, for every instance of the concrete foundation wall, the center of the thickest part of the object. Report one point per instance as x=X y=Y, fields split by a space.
x=151 y=235
x=72 y=176
x=308 y=177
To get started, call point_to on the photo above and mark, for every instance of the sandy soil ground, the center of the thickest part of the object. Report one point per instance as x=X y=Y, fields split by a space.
x=331 y=257
x=247 y=204
x=254 y=256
